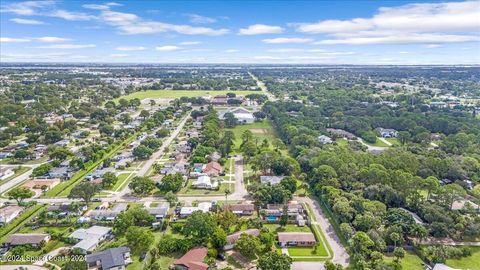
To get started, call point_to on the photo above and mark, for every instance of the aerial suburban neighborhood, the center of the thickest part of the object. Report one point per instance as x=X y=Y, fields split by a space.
x=175 y=151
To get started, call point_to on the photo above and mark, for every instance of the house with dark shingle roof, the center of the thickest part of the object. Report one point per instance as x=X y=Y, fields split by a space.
x=113 y=258
x=301 y=239
x=232 y=238
x=26 y=239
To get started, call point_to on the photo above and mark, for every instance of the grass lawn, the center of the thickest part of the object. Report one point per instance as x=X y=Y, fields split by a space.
x=411 y=261
x=341 y=141
x=18 y=222
x=468 y=263
x=318 y=250
x=181 y=93
x=378 y=143
x=187 y=191
x=121 y=180
x=393 y=141
x=261 y=130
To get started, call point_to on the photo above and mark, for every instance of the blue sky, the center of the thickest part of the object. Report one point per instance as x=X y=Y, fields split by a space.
x=296 y=32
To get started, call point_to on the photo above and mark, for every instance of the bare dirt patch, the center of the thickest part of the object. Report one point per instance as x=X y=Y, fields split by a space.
x=259 y=130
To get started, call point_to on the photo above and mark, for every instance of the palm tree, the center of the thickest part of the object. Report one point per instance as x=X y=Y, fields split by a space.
x=227 y=192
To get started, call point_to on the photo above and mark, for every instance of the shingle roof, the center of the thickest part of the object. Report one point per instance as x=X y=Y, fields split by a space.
x=109 y=258
x=296 y=236
x=193 y=259
x=26 y=239
x=232 y=238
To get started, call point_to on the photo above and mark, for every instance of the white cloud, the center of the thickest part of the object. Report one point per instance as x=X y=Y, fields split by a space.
x=258 y=29
x=401 y=39
x=432 y=46
x=190 y=43
x=199 y=19
x=27 y=8
x=67 y=46
x=231 y=51
x=34 y=57
x=71 y=16
x=52 y=39
x=27 y=21
x=168 y=48
x=412 y=23
x=285 y=50
x=101 y=7
x=130 y=48
x=129 y=23
x=13 y=40
x=287 y=40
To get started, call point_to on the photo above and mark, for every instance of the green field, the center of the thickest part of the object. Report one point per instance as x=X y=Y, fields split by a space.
x=341 y=141
x=181 y=93
x=410 y=261
x=378 y=143
x=393 y=141
x=261 y=130
x=468 y=263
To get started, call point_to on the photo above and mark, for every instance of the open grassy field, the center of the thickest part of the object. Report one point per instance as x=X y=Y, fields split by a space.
x=261 y=130
x=468 y=263
x=393 y=141
x=341 y=141
x=378 y=143
x=181 y=93
x=411 y=261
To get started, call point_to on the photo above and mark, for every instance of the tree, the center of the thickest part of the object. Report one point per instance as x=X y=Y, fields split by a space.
x=171 y=182
x=163 y=132
x=248 y=245
x=171 y=198
x=142 y=152
x=274 y=261
x=21 y=154
x=41 y=170
x=84 y=191
x=109 y=180
x=230 y=120
x=399 y=253
x=139 y=239
x=284 y=217
x=141 y=185
x=199 y=225
x=289 y=183
x=227 y=192
x=219 y=238
x=20 y=193
x=134 y=216
x=75 y=265
x=144 y=114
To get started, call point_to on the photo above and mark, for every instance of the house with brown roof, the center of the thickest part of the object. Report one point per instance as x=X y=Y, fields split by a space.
x=192 y=260
x=213 y=169
x=301 y=239
x=26 y=239
x=232 y=238
x=241 y=209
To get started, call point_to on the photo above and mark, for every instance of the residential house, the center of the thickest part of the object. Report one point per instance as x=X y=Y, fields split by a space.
x=109 y=213
x=110 y=259
x=197 y=170
x=241 y=209
x=9 y=213
x=213 y=168
x=243 y=115
x=273 y=212
x=5 y=155
x=192 y=260
x=205 y=182
x=159 y=212
x=387 y=132
x=183 y=147
x=64 y=209
x=34 y=240
x=5 y=173
x=90 y=238
x=98 y=173
x=270 y=179
x=464 y=205
x=187 y=211
x=232 y=238
x=220 y=100
x=324 y=139
x=301 y=239
x=62 y=143
x=192 y=134
x=341 y=133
